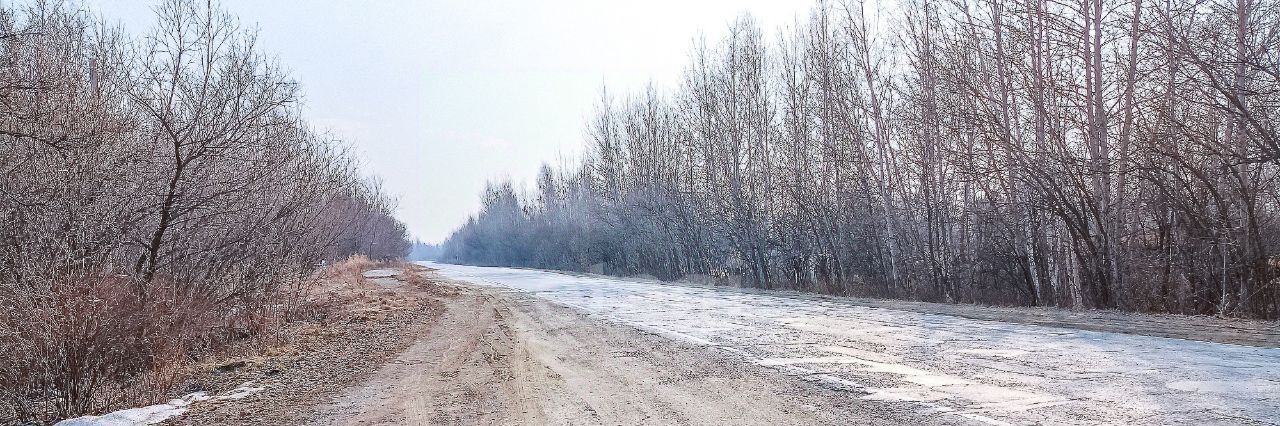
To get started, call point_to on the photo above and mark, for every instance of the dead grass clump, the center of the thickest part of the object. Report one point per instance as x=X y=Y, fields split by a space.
x=349 y=270
x=92 y=342
x=413 y=276
x=338 y=292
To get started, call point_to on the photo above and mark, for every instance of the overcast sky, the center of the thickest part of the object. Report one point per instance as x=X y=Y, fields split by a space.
x=438 y=97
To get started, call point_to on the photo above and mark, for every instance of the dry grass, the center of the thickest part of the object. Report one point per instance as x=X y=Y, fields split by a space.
x=339 y=289
x=90 y=342
x=348 y=271
x=98 y=343
x=337 y=294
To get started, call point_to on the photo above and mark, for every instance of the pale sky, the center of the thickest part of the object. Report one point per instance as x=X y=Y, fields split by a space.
x=437 y=97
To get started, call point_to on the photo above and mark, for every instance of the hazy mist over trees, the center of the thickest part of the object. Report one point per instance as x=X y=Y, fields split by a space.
x=1078 y=154
x=419 y=250
x=159 y=197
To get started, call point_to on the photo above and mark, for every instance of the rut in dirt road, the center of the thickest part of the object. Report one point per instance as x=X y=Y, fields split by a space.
x=948 y=367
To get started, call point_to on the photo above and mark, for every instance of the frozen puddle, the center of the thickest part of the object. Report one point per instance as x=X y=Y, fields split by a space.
x=975 y=371
x=383 y=277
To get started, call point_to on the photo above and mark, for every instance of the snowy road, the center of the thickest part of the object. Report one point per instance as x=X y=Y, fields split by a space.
x=980 y=371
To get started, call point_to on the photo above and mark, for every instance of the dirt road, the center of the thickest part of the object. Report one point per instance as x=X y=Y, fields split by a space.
x=515 y=346
x=950 y=367
x=500 y=357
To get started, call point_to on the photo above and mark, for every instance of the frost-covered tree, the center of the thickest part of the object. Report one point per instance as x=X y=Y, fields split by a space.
x=1081 y=154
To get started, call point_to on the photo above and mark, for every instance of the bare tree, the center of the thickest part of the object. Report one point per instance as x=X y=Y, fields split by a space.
x=158 y=196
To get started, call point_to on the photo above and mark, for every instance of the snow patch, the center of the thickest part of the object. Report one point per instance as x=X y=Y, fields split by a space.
x=381 y=273
x=245 y=389
x=148 y=415
x=158 y=413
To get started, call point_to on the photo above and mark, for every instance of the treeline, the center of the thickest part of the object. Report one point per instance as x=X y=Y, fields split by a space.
x=160 y=197
x=419 y=250
x=1095 y=154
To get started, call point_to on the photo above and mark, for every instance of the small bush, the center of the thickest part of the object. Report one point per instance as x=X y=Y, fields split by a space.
x=91 y=341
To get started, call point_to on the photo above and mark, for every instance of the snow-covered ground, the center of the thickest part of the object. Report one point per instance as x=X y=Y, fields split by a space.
x=981 y=371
